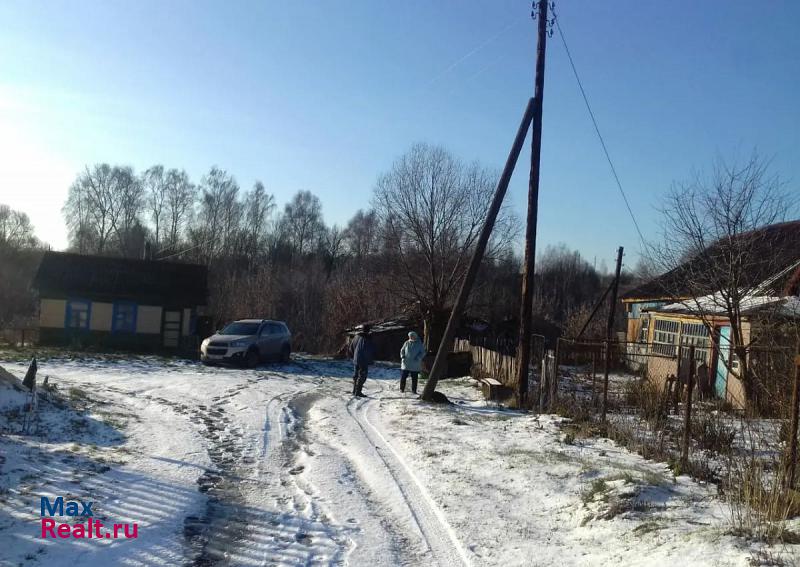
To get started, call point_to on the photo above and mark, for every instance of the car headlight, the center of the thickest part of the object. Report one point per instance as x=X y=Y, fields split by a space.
x=205 y=342
x=239 y=343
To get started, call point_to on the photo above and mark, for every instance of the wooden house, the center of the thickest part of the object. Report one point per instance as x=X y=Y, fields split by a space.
x=666 y=313
x=119 y=303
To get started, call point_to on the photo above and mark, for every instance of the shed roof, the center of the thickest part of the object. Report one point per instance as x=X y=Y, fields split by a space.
x=63 y=274
x=774 y=260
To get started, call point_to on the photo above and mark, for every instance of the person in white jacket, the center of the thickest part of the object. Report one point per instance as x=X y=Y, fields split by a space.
x=411 y=356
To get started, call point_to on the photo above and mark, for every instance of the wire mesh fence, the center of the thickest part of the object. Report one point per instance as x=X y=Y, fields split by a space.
x=732 y=422
x=706 y=415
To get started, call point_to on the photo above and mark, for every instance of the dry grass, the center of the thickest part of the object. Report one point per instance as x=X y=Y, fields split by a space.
x=758 y=501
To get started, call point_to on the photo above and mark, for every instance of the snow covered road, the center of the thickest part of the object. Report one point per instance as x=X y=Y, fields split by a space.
x=282 y=466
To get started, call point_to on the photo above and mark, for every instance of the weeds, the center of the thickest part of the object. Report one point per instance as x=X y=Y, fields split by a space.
x=757 y=501
x=764 y=558
x=712 y=434
x=77 y=394
x=649 y=401
x=596 y=487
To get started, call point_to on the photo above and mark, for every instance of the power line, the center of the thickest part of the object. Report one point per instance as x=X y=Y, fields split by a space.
x=203 y=243
x=470 y=53
x=599 y=135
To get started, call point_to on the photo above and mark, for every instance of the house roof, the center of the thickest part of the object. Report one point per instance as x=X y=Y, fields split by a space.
x=64 y=275
x=752 y=305
x=774 y=262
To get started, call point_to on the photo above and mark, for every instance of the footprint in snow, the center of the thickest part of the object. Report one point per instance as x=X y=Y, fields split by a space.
x=297 y=470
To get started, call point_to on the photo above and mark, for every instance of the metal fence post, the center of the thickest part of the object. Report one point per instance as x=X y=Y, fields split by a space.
x=687 y=423
x=594 y=379
x=792 y=460
x=544 y=386
x=605 y=378
x=553 y=397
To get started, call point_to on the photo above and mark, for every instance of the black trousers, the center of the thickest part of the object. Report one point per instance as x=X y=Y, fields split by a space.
x=359 y=377
x=414 y=377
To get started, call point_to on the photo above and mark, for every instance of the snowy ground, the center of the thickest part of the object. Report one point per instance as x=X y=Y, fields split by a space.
x=281 y=466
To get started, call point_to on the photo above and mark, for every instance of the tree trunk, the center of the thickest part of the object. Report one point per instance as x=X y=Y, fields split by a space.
x=435 y=323
x=751 y=392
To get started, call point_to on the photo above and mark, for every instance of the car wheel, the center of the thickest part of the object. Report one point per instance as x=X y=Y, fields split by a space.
x=286 y=354
x=251 y=360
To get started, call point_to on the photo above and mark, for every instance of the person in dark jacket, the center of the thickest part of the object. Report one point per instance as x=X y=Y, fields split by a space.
x=362 y=349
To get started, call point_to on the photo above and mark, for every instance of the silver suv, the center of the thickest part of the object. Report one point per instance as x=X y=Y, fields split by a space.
x=248 y=342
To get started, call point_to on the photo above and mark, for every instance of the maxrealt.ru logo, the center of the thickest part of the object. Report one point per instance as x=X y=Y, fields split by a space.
x=71 y=509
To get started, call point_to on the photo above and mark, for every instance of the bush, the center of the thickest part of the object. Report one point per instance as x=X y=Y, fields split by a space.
x=648 y=399
x=711 y=434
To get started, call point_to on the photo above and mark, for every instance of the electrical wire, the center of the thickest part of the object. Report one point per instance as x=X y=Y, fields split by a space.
x=203 y=243
x=597 y=130
x=470 y=53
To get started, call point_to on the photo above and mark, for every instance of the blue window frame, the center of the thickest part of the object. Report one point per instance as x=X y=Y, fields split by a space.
x=123 y=319
x=78 y=313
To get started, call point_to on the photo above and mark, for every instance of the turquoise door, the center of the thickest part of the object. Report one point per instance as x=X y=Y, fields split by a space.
x=723 y=361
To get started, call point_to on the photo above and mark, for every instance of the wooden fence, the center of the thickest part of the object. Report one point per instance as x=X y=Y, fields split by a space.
x=19 y=337
x=490 y=364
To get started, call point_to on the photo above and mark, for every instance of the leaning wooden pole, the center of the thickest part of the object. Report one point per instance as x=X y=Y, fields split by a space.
x=610 y=330
x=594 y=311
x=440 y=362
x=524 y=346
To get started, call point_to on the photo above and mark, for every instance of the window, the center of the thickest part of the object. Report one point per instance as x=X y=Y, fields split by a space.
x=696 y=334
x=77 y=314
x=665 y=337
x=124 y=317
x=240 y=329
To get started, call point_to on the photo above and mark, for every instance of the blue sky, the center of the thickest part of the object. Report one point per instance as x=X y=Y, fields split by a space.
x=325 y=95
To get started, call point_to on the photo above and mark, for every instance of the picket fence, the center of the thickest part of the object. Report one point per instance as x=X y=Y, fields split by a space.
x=487 y=363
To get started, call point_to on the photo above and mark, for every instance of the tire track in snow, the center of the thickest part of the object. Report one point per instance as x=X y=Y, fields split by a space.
x=302 y=528
x=439 y=536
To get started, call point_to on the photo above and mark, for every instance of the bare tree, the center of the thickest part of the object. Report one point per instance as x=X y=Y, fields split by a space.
x=154 y=182
x=16 y=230
x=220 y=212
x=301 y=224
x=19 y=258
x=362 y=234
x=565 y=283
x=332 y=248
x=76 y=213
x=716 y=252
x=128 y=195
x=92 y=209
x=258 y=208
x=432 y=207
x=180 y=199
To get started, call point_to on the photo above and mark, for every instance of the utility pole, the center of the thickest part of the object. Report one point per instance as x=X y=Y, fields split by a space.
x=524 y=346
x=610 y=329
x=440 y=362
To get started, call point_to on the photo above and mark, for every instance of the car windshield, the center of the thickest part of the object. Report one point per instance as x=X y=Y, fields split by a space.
x=240 y=329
